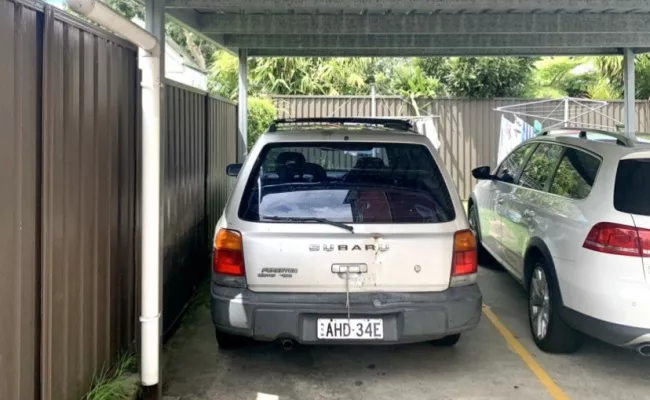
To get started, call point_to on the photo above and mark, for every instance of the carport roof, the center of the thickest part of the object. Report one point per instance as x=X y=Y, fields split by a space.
x=418 y=27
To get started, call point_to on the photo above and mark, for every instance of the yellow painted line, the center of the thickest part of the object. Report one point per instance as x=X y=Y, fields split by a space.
x=542 y=375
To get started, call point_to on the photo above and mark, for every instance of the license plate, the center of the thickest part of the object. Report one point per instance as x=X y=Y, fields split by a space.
x=354 y=328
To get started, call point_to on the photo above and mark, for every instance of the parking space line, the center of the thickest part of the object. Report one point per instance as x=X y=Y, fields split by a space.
x=542 y=375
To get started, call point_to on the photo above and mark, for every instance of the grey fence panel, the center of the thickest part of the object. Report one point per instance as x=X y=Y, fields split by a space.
x=183 y=198
x=20 y=31
x=222 y=150
x=89 y=199
x=468 y=129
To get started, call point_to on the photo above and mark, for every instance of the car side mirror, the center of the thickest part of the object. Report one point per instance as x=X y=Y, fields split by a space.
x=233 y=169
x=482 y=173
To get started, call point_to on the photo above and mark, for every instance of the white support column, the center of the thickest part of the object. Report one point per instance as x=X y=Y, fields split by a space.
x=629 y=93
x=242 y=109
x=373 y=101
x=153 y=134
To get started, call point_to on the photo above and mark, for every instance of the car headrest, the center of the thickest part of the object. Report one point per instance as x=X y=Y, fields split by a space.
x=290 y=159
x=369 y=163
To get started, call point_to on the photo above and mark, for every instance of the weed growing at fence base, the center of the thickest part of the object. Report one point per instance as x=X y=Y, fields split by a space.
x=118 y=383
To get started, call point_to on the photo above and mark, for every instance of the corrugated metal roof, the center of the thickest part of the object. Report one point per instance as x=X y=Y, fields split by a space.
x=419 y=27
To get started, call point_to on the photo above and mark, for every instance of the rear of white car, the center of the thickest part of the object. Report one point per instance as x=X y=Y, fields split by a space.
x=607 y=289
x=344 y=235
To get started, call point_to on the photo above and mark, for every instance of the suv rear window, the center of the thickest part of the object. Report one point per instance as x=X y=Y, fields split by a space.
x=347 y=182
x=632 y=181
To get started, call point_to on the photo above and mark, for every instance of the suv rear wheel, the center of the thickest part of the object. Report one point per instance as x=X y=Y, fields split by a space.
x=550 y=333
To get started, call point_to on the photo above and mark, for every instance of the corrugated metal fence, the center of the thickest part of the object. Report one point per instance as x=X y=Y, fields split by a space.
x=69 y=205
x=20 y=132
x=89 y=198
x=200 y=142
x=468 y=129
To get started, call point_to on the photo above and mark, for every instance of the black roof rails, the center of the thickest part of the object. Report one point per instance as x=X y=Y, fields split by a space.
x=621 y=140
x=398 y=124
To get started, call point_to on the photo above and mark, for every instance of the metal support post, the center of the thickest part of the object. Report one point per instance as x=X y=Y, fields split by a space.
x=629 y=92
x=242 y=109
x=373 y=101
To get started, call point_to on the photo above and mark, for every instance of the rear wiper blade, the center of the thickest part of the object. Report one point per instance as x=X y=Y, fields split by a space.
x=341 y=225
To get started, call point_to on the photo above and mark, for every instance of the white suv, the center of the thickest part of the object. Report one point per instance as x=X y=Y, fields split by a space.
x=343 y=231
x=568 y=215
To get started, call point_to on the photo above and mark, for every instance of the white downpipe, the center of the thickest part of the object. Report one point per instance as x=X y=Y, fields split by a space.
x=150 y=273
x=149 y=61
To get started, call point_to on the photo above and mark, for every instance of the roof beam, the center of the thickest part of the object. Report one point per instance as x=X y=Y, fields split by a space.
x=327 y=24
x=557 y=40
x=431 y=52
x=420 y=5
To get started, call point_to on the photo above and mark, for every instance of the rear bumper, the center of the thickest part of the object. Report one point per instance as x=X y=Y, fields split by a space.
x=609 y=332
x=408 y=317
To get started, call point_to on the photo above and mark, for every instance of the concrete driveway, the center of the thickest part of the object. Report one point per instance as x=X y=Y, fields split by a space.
x=496 y=361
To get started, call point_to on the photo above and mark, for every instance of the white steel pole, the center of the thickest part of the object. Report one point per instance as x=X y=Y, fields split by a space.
x=242 y=109
x=629 y=93
x=373 y=101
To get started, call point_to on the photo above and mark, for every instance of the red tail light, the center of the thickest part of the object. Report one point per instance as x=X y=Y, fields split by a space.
x=228 y=256
x=465 y=254
x=610 y=238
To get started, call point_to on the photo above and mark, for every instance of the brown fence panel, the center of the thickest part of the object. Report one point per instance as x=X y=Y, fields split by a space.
x=88 y=194
x=222 y=150
x=338 y=106
x=20 y=135
x=183 y=198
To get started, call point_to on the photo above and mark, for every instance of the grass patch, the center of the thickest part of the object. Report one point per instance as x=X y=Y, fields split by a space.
x=118 y=383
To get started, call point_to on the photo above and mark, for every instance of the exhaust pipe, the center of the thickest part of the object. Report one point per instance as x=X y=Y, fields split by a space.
x=644 y=349
x=287 y=344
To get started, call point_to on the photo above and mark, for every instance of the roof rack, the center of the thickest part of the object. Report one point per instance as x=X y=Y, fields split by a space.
x=621 y=140
x=388 y=123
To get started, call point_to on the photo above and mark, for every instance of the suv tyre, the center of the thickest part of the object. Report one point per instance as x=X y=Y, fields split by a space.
x=550 y=333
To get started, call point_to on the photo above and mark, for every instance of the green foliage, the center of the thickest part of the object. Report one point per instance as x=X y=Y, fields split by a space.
x=261 y=112
x=611 y=70
x=223 y=75
x=127 y=8
x=120 y=383
x=292 y=75
x=558 y=77
x=408 y=80
x=480 y=77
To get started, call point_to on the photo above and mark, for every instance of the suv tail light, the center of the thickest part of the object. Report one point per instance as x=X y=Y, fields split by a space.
x=228 y=256
x=610 y=238
x=465 y=259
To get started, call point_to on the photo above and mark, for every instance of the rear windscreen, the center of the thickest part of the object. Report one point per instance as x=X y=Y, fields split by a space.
x=632 y=183
x=347 y=182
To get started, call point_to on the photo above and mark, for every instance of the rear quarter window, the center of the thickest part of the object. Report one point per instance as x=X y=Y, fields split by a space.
x=632 y=183
x=575 y=175
x=347 y=182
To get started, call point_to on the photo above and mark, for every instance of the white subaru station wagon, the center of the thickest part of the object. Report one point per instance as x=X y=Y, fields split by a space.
x=568 y=215
x=343 y=231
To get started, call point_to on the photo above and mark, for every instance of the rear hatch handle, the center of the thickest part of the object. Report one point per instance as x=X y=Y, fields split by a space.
x=341 y=225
